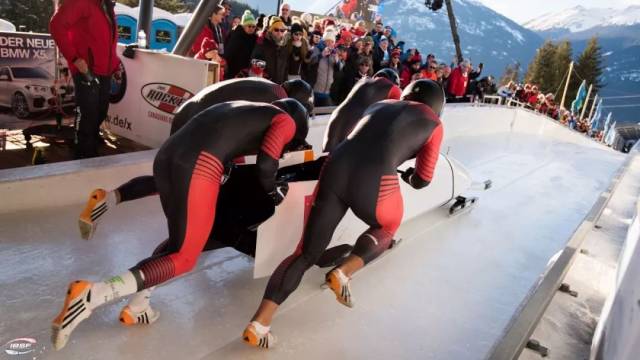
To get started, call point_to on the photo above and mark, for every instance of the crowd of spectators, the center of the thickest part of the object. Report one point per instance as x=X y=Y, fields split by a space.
x=330 y=54
x=529 y=96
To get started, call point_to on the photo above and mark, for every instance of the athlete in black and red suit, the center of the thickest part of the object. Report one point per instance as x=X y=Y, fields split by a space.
x=360 y=174
x=187 y=171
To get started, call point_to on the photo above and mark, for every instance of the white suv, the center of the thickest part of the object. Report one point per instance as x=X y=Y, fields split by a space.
x=28 y=90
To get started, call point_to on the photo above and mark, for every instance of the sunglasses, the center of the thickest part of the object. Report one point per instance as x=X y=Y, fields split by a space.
x=297 y=34
x=280 y=30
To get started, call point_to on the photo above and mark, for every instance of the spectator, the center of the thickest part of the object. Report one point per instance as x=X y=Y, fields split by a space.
x=212 y=30
x=429 y=70
x=388 y=32
x=381 y=55
x=532 y=100
x=458 y=82
x=325 y=60
x=377 y=31
x=346 y=38
x=240 y=45
x=209 y=51
x=446 y=74
x=474 y=74
x=285 y=14
x=236 y=21
x=315 y=38
x=317 y=26
x=298 y=48
x=270 y=48
x=260 y=23
x=227 y=22
x=549 y=107
x=85 y=32
x=359 y=29
x=411 y=70
x=506 y=91
x=367 y=51
x=341 y=72
x=395 y=63
x=482 y=87
x=306 y=20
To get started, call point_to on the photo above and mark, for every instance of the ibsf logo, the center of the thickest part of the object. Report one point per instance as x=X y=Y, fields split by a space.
x=20 y=346
x=165 y=97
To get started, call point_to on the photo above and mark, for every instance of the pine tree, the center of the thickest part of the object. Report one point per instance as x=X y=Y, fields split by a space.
x=172 y=6
x=27 y=15
x=542 y=71
x=511 y=73
x=563 y=58
x=588 y=67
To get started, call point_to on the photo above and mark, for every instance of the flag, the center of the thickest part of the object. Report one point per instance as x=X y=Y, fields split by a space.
x=606 y=127
x=611 y=134
x=577 y=104
x=595 y=122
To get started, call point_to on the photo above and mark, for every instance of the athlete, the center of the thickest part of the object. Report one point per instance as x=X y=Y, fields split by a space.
x=250 y=89
x=360 y=174
x=384 y=85
x=187 y=171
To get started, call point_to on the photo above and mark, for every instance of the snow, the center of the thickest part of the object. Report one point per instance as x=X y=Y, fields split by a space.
x=607 y=53
x=516 y=34
x=580 y=18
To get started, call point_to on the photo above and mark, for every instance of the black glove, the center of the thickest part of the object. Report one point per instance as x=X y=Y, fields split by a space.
x=406 y=175
x=279 y=193
x=90 y=79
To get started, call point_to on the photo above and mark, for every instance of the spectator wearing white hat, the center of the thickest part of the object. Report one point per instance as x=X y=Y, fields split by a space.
x=325 y=60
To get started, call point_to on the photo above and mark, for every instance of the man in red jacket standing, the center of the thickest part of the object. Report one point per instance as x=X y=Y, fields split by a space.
x=458 y=82
x=85 y=32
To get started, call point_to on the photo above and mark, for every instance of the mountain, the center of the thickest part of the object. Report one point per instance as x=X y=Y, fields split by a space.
x=618 y=31
x=485 y=35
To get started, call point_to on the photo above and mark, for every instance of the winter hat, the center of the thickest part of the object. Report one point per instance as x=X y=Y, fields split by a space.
x=415 y=59
x=396 y=52
x=316 y=32
x=247 y=18
x=329 y=34
x=307 y=18
x=274 y=22
x=295 y=28
x=368 y=39
x=208 y=44
x=383 y=38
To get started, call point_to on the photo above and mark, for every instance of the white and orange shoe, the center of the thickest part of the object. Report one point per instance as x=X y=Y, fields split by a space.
x=341 y=286
x=147 y=316
x=76 y=308
x=99 y=202
x=258 y=335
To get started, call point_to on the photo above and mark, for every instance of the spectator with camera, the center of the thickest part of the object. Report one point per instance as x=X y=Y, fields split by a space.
x=342 y=74
x=271 y=48
x=411 y=72
x=209 y=51
x=240 y=45
x=298 y=48
x=381 y=54
x=325 y=60
x=395 y=63
x=443 y=79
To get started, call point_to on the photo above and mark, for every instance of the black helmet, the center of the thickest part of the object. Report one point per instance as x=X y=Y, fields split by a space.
x=388 y=74
x=301 y=91
x=427 y=92
x=301 y=118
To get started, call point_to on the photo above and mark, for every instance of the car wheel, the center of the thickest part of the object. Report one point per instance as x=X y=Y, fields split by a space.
x=19 y=106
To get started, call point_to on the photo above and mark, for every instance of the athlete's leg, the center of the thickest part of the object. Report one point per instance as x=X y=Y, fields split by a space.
x=188 y=194
x=101 y=200
x=324 y=217
x=384 y=219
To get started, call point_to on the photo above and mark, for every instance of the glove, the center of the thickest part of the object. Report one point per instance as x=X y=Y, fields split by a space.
x=279 y=193
x=406 y=176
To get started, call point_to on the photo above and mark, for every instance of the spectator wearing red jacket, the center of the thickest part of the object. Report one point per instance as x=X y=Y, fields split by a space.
x=458 y=81
x=85 y=32
x=212 y=30
x=209 y=51
x=412 y=71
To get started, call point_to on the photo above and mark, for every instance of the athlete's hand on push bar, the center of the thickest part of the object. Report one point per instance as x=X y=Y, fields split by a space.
x=406 y=175
x=279 y=193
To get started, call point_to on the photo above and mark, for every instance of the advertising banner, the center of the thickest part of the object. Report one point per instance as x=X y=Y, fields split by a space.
x=28 y=85
x=148 y=90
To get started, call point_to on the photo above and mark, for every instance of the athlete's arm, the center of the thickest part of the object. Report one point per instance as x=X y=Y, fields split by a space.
x=280 y=133
x=426 y=160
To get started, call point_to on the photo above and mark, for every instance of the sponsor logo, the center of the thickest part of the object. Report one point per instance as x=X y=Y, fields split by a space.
x=20 y=346
x=161 y=117
x=119 y=122
x=118 y=84
x=165 y=97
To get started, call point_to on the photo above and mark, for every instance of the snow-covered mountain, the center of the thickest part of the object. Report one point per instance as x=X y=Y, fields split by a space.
x=618 y=32
x=485 y=35
x=580 y=18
